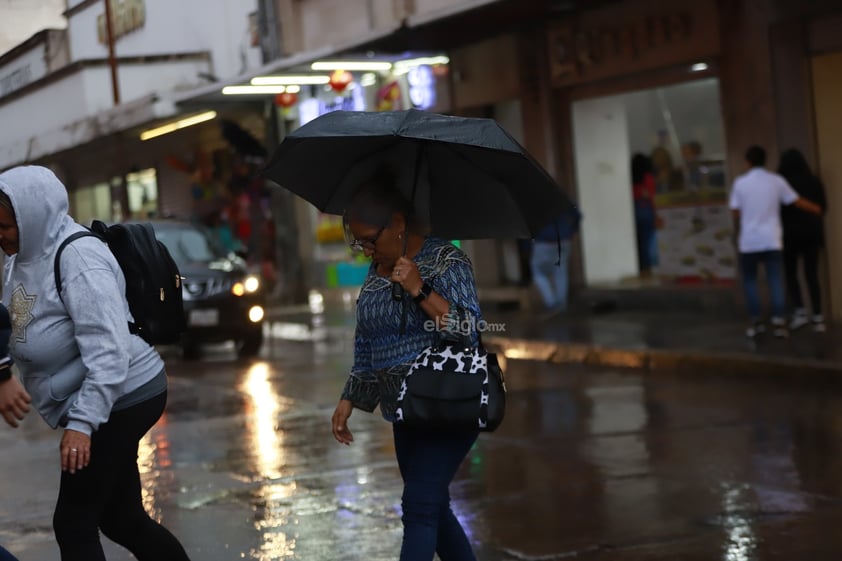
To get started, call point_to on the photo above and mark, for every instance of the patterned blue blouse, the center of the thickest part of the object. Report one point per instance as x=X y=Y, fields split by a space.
x=382 y=354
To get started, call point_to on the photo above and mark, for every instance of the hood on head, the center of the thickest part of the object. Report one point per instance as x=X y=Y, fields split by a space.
x=40 y=203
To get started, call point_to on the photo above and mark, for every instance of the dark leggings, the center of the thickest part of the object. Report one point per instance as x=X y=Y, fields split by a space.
x=809 y=254
x=6 y=555
x=106 y=495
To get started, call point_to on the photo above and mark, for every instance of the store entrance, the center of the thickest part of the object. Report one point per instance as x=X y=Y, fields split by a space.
x=674 y=226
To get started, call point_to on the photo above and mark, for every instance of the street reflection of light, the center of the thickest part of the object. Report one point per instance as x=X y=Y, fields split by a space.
x=316 y=301
x=268 y=442
x=741 y=542
x=265 y=405
x=153 y=457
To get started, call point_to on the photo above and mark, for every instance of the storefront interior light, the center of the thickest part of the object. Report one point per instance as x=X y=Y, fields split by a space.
x=351 y=65
x=368 y=79
x=403 y=66
x=699 y=67
x=177 y=125
x=253 y=90
x=290 y=80
x=293 y=89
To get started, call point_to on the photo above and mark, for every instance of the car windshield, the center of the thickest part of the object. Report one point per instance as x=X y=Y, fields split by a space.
x=188 y=245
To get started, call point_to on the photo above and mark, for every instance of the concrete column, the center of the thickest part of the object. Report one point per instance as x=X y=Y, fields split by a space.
x=747 y=81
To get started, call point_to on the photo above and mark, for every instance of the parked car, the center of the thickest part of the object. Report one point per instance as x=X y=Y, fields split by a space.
x=222 y=299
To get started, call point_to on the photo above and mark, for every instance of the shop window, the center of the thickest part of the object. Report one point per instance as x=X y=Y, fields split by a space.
x=678 y=130
x=142 y=189
x=90 y=203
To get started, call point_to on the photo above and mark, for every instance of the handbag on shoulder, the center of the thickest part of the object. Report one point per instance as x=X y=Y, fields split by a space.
x=453 y=385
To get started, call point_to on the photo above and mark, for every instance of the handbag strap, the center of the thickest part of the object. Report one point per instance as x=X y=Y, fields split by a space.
x=462 y=338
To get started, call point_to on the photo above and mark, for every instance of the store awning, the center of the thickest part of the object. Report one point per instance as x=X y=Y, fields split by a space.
x=213 y=92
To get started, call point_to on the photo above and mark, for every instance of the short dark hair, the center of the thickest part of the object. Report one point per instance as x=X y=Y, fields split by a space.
x=756 y=156
x=377 y=199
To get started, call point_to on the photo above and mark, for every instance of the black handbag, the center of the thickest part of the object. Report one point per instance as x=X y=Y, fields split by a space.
x=453 y=385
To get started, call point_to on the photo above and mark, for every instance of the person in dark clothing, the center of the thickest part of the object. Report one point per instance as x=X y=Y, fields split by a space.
x=14 y=401
x=645 y=218
x=803 y=239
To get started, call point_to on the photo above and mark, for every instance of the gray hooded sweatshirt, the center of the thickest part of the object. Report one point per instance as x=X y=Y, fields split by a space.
x=76 y=358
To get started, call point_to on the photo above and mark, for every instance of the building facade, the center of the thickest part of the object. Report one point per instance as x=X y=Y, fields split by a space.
x=583 y=85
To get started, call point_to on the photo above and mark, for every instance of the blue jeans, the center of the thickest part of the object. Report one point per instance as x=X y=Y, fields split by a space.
x=6 y=556
x=428 y=461
x=772 y=262
x=550 y=275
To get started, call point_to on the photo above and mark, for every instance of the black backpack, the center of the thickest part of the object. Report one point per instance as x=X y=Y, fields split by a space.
x=153 y=282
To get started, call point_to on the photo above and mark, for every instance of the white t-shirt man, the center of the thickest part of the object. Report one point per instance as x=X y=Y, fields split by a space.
x=758 y=195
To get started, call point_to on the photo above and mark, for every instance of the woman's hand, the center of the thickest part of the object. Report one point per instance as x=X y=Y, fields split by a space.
x=14 y=401
x=75 y=450
x=339 y=422
x=406 y=273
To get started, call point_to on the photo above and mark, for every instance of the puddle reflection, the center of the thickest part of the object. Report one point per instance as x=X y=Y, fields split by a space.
x=267 y=444
x=153 y=460
x=741 y=542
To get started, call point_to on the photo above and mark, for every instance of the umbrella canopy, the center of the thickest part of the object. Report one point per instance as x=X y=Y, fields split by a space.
x=467 y=178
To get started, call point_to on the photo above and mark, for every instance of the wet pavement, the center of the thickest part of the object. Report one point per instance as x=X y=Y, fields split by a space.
x=591 y=463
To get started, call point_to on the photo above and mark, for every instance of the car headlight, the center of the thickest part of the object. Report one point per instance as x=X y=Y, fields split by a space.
x=248 y=285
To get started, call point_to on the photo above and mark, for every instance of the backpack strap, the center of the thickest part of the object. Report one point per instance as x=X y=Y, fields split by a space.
x=57 y=263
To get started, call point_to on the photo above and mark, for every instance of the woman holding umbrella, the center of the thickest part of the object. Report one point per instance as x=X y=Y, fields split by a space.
x=436 y=278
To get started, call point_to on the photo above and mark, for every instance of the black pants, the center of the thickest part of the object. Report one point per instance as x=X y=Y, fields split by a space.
x=808 y=253
x=106 y=495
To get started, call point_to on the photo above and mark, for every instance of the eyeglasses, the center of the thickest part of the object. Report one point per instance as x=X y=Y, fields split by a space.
x=367 y=243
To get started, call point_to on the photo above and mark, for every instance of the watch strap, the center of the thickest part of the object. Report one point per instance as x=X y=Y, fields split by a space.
x=425 y=291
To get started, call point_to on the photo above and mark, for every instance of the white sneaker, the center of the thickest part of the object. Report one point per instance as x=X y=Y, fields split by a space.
x=779 y=328
x=799 y=320
x=755 y=329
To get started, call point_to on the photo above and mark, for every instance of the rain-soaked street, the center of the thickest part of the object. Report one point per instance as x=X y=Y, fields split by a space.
x=590 y=464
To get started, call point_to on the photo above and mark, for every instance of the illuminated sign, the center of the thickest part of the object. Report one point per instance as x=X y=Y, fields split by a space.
x=311 y=108
x=422 y=87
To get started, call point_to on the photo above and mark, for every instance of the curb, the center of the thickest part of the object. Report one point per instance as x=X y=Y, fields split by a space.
x=658 y=359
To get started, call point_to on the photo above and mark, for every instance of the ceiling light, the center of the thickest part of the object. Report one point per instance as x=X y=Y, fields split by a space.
x=177 y=125
x=699 y=67
x=289 y=80
x=252 y=90
x=359 y=65
x=428 y=61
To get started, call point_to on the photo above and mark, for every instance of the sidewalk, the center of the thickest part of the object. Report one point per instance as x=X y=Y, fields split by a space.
x=655 y=340
x=664 y=340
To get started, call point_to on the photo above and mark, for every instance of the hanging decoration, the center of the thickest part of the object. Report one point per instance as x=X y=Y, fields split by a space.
x=286 y=99
x=340 y=79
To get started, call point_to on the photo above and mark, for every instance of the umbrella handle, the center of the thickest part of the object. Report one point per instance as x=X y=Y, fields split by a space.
x=397 y=291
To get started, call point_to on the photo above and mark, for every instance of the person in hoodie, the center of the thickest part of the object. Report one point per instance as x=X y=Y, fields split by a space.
x=88 y=376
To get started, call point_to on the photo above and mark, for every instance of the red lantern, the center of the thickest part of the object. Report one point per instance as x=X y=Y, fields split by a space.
x=340 y=79
x=286 y=99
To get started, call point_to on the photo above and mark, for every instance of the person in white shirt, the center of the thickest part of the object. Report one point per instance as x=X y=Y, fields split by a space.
x=756 y=198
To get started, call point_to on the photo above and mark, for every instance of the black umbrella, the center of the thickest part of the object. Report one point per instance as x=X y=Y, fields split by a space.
x=467 y=178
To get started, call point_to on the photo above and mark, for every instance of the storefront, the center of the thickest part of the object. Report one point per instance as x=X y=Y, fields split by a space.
x=641 y=79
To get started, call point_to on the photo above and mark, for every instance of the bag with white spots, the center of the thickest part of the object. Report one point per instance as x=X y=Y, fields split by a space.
x=453 y=385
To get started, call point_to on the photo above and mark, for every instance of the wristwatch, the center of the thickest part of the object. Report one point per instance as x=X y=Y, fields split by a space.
x=425 y=291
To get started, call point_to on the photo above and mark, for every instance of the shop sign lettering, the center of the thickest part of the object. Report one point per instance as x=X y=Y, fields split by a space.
x=126 y=16
x=15 y=80
x=573 y=51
